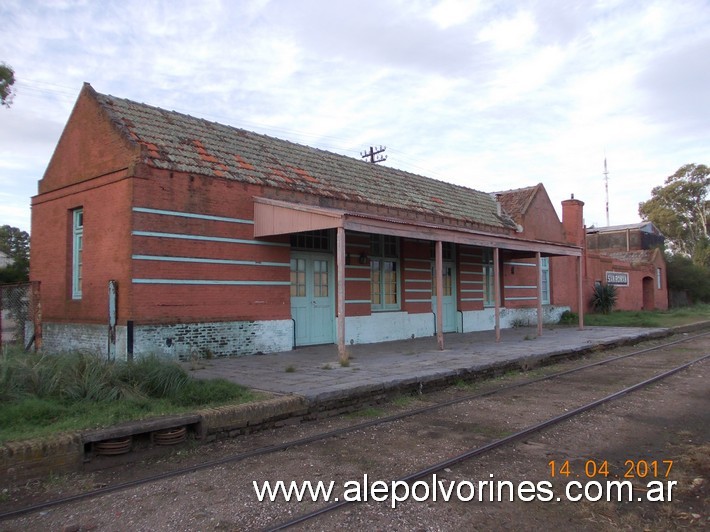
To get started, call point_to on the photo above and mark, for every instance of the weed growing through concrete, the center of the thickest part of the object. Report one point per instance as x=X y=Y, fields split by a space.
x=345 y=363
x=369 y=411
x=403 y=400
x=290 y=369
x=464 y=385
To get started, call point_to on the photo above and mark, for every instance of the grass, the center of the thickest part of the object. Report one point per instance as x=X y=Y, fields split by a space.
x=655 y=318
x=367 y=412
x=45 y=394
x=403 y=400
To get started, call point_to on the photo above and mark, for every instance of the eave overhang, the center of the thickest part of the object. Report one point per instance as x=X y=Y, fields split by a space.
x=276 y=217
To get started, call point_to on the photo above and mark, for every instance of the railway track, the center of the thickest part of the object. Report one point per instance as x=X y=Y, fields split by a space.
x=652 y=356
x=478 y=451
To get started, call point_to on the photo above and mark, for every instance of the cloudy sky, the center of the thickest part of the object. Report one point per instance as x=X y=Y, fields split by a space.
x=489 y=94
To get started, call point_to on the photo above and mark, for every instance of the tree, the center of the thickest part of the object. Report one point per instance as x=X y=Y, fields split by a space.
x=681 y=210
x=15 y=243
x=685 y=276
x=7 y=80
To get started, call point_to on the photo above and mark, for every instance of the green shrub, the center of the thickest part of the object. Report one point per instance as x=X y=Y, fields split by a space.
x=157 y=377
x=684 y=275
x=604 y=298
x=569 y=318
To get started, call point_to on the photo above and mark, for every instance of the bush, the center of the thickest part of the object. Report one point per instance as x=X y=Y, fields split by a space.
x=569 y=318
x=684 y=275
x=75 y=377
x=604 y=298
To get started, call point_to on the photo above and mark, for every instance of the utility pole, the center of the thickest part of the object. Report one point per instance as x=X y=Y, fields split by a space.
x=606 y=187
x=373 y=153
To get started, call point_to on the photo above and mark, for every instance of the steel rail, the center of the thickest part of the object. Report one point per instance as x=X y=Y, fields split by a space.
x=317 y=437
x=493 y=445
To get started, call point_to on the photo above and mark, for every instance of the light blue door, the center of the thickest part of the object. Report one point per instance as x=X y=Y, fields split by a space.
x=448 y=301
x=312 y=298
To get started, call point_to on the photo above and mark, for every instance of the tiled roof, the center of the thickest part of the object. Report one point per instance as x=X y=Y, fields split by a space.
x=516 y=202
x=634 y=257
x=179 y=142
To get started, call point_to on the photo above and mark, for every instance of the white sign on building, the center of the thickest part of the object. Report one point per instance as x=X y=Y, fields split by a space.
x=617 y=278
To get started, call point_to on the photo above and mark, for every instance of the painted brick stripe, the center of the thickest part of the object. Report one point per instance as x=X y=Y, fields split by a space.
x=184 y=236
x=209 y=261
x=211 y=282
x=193 y=215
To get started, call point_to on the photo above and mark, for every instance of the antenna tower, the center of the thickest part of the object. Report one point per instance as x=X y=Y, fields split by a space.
x=606 y=188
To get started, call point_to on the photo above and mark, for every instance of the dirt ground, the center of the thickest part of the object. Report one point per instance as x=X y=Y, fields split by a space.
x=668 y=421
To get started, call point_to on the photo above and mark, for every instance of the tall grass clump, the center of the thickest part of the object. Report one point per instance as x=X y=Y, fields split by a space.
x=79 y=390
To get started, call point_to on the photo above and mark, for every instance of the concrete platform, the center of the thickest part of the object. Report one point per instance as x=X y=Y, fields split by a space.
x=315 y=373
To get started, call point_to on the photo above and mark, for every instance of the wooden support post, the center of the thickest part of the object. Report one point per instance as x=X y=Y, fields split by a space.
x=496 y=290
x=539 y=293
x=340 y=259
x=439 y=291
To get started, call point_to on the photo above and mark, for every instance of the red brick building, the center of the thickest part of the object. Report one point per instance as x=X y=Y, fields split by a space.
x=157 y=232
x=629 y=256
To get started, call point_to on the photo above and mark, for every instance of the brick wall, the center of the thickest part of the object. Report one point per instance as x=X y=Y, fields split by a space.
x=195 y=258
x=106 y=206
x=59 y=336
x=28 y=460
x=181 y=341
x=89 y=147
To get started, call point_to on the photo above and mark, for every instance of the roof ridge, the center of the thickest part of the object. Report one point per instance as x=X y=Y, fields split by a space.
x=279 y=139
x=176 y=140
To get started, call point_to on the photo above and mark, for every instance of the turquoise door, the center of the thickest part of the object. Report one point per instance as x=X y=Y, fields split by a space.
x=312 y=298
x=448 y=301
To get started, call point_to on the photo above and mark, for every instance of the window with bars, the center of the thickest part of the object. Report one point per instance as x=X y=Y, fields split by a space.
x=298 y=278
x=312 y=240
x=545 y=280
x=384 y=268
x=488 y=279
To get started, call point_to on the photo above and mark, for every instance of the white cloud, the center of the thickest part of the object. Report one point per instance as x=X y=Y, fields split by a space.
x=510 y=33
x=448 y=13
x=490 y=95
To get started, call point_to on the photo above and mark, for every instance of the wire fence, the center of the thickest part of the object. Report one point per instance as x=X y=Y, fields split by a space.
x=20 y=315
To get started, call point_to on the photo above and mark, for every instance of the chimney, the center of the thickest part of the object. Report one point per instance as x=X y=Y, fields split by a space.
x=573 y=221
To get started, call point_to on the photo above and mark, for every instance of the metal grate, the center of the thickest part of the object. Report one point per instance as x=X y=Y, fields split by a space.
x=19 y=307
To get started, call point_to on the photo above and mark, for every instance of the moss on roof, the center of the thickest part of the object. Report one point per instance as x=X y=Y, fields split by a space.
x=179 y=142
